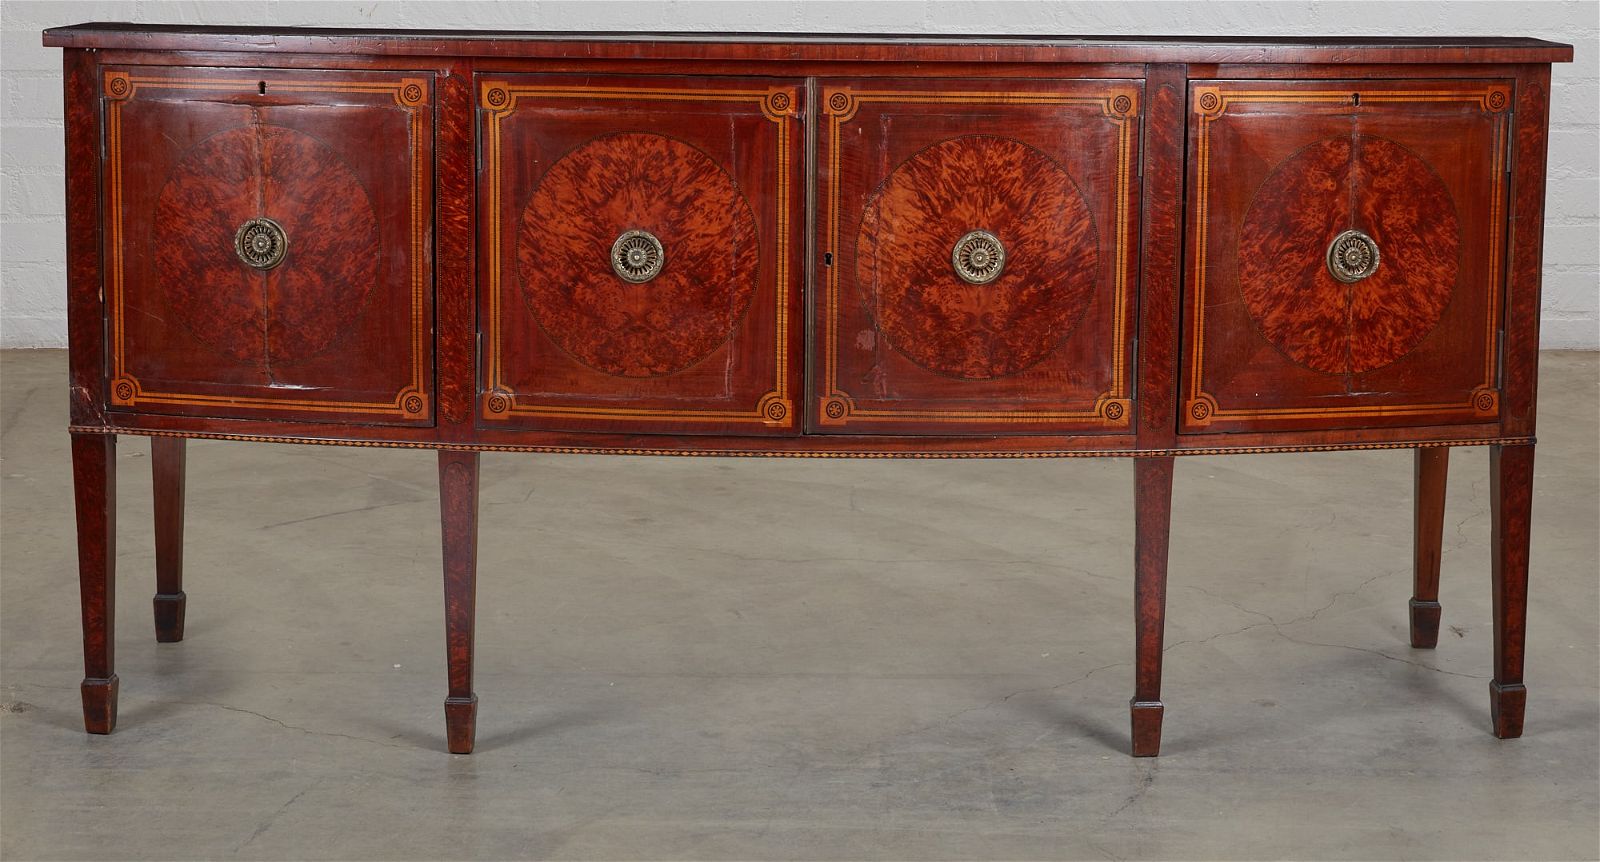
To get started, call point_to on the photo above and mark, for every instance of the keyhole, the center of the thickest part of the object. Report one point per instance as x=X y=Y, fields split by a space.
x=827 y=258
x=261 y=87
x=1355 y=99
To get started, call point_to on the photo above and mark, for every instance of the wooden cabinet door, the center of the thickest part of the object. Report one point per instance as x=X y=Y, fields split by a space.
x=1345 y=253
x=976 y=256
x=638 y=253
x=267 y=243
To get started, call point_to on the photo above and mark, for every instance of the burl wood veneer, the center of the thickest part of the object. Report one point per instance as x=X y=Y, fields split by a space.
x=810 y=246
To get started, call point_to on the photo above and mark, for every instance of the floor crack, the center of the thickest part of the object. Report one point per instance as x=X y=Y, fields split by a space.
x=1339 y=595
x=319 y=517
x=1229 y=602
x=1379 y=654
x=1145 y=782
x=273 y=817
x=288 y=726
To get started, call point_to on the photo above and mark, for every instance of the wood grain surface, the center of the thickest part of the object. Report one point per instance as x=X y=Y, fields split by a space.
x=636 y=181
x=812 y=47
x=909 y=228
x=1360 y=183
x=297 y=310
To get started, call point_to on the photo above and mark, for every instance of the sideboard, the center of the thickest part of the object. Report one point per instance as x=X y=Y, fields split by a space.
x=812 y=246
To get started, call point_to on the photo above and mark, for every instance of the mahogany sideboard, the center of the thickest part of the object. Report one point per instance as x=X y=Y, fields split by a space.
x=810 y=246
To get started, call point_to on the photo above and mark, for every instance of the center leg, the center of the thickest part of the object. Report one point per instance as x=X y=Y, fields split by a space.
x=1152 y=521
x=458 y=508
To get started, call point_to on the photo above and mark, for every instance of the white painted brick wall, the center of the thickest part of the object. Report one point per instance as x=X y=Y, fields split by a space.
x=32 y=286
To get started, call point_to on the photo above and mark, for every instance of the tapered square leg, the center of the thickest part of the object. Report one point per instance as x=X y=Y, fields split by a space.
x=167 y=471
x=1432 y=465
x=458 y=507
x=1152 y=521
x=1511 y=504
x=94 y=483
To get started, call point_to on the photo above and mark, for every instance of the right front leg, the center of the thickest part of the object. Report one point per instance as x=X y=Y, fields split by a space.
x=458 y=509
x=94 y=485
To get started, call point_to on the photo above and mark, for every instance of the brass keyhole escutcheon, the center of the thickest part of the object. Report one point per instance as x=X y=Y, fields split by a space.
x=261 y=243
x=978 y=257
x=637 y=256
x=1352 y=256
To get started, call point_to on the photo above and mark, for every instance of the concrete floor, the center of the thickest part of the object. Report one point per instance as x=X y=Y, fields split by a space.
x=764 y=659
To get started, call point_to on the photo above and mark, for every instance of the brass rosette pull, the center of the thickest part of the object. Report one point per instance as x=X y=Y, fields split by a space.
x=978 y=257
x=637 y=256
x=1352 y=256
x=261 y=243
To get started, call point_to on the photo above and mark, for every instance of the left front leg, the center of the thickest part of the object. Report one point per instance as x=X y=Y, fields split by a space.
x=94 y=483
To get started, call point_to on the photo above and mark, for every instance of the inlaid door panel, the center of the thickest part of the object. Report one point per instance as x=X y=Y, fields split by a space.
x=268 y=241
x=638 y=253
x=1345 y=253
x=976 y=252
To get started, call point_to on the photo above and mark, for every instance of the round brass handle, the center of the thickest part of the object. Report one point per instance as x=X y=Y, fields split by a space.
x=637 y=256
x=1352 y=256
x=261 y=243
x=978 y=257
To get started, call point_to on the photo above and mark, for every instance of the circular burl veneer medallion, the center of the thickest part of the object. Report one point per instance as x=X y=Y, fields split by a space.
x=638 y=255
x=1348 y=254
x=977 y=257
x=265 y=244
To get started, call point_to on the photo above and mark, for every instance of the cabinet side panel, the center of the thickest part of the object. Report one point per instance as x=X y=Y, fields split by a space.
x=1521 y=343
x=85 y=308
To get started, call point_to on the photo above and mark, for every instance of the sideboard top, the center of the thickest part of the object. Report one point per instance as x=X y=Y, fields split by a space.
x=809 y=46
